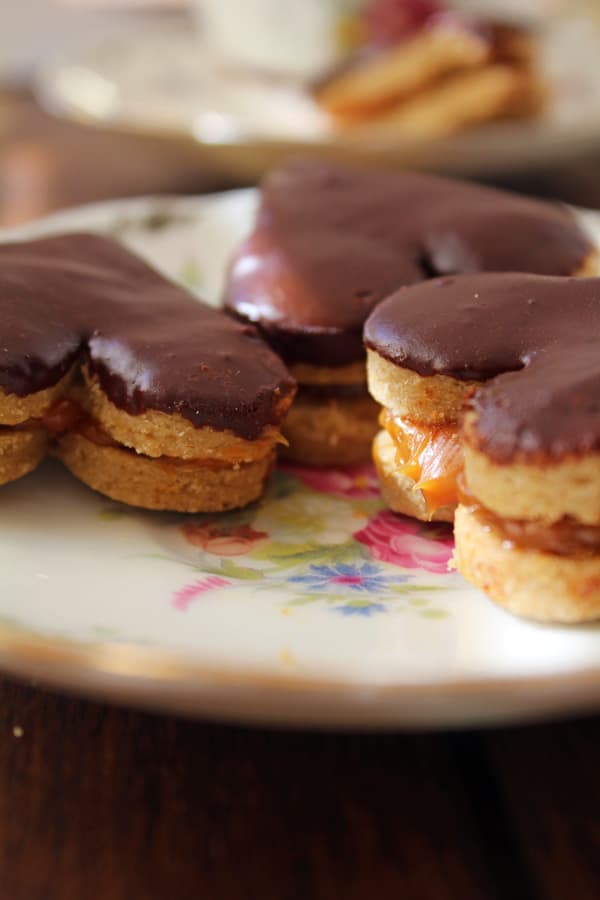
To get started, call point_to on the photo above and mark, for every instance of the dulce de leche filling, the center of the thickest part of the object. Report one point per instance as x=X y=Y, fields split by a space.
x=429 y=454
x=567 y=537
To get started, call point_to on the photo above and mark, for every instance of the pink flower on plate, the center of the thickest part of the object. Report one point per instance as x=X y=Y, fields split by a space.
x=358 y=481
x=406 y=543
x=190 y=592
x=221 y=540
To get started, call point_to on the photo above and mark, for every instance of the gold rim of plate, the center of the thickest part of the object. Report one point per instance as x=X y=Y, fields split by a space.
x=162 y=680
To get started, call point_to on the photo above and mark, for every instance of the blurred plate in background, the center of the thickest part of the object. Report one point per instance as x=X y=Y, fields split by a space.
x=162 y=81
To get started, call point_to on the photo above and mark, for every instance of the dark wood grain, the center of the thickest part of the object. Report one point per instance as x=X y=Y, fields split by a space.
x=548 y=778
x=106 y=803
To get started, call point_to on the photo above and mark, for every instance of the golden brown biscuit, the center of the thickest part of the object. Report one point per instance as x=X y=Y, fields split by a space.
x=431 y=399
x=333 y=419
x=330 y=432
x=21 y=451
x=163 y=483
x=544 y=490
x=529 y=583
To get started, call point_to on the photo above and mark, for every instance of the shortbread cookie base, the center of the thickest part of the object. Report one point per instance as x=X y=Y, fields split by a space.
x=539 y=489
x=163 y=484
x=431 y=399
x=330 y=433
x=527 y=583
x=21 y=451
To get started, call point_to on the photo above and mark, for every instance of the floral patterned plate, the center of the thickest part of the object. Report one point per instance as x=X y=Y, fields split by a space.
x=315 y=606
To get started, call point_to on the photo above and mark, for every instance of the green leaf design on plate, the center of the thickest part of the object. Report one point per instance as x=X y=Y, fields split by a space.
x=419 y=588
x=231 y=570
x=357 y=604
x=284 y=556
x=275 y=551
x=304 y=600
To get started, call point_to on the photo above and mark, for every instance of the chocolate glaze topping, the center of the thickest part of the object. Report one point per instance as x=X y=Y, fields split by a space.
x=330 y=242
x=533 y=340
x=152 y=346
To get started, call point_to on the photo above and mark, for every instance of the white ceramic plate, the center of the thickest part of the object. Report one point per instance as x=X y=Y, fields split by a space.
x=314 y=607
x=162 y=81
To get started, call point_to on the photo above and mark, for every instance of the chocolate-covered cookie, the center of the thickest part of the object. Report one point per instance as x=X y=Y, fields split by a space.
x=330 y=242
x=520 y=354
x=154 y=398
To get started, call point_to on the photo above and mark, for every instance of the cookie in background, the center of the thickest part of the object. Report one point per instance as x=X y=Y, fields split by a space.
x=428 y=69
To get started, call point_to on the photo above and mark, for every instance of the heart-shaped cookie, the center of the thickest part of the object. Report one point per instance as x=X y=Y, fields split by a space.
x=521 y=355
x=330 y=242
x=153 y=398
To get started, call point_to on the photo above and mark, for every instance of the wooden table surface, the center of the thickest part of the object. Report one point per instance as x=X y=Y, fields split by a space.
x=106 y=804
x=100 y=803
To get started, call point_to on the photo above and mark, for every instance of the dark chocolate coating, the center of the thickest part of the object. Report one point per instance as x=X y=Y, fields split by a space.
x=321 y=393
x=533 y=340
x=330 y=242
x=152 y=346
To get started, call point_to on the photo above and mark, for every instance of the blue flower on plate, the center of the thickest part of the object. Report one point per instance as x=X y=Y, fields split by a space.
x=341 y=577
x=363 y=609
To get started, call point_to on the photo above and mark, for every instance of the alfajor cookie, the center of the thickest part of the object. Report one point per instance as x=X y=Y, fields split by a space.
x=330 y=242
x=147 y=395
x=520 y=354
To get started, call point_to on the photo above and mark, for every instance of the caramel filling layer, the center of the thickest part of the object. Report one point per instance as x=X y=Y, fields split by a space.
x=429 y=454
x=567 y=537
